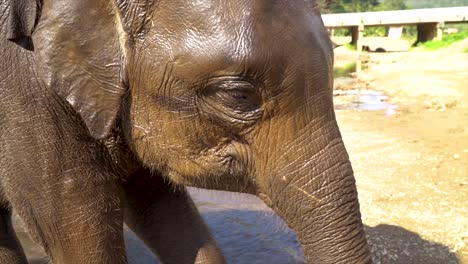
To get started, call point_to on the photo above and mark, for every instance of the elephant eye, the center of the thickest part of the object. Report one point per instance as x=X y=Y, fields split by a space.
x=236 y=95
x=239 y=99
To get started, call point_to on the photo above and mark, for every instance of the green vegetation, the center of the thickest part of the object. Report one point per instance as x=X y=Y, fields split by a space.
x=375 y=32
x=444 y=42
x=386 y=5
x=415 y=4
x=350 y=46
x=348 y=6
x=345 y=70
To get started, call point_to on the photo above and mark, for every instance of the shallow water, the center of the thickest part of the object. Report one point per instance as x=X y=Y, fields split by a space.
x=361 y=99
x=244 y=227
x=364 y=100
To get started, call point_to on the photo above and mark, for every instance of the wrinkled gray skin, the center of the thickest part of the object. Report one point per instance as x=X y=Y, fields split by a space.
x=108 y=108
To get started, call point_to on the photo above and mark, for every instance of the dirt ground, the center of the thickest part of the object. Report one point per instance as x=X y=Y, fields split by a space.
x=411 y=165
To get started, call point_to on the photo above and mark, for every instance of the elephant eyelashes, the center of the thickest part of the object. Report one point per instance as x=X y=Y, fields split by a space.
x=239 y=100
x=231 y=102
x=238 y=96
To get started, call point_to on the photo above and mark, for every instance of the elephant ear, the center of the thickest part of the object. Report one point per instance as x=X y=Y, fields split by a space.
x=80 y=54
x=23 y=18
x=136 y=15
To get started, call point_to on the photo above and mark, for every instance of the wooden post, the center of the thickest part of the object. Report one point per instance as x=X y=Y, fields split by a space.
x=360 y=38
x=359 y=45
x=354 y=35
x=440 y=30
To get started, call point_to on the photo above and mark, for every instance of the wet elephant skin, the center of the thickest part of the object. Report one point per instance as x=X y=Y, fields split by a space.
x=110 y=108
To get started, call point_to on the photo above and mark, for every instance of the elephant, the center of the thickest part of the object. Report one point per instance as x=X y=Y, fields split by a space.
x=110 y=109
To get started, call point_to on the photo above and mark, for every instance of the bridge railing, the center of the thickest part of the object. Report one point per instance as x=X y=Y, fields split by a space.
x=401 y=17
x=430 y=22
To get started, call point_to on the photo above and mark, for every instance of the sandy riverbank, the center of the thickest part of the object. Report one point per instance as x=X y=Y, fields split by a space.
x=412 y=166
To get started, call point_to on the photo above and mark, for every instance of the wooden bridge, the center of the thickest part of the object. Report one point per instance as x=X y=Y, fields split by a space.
x=430 y=22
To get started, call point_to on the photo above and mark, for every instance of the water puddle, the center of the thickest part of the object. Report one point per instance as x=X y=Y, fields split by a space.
x=361 y=99
x=246 y=229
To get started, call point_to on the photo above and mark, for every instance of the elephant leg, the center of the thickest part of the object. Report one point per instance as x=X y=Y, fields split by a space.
x=166 y=219
x=77 y=223
x=11 y=251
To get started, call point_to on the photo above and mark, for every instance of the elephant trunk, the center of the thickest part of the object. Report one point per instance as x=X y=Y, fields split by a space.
x=312 y=188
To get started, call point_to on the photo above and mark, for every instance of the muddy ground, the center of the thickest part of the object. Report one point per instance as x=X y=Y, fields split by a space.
x=404 y=121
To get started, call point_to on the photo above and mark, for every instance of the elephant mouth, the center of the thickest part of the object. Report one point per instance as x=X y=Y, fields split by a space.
x=237 y=157
x=228 y=162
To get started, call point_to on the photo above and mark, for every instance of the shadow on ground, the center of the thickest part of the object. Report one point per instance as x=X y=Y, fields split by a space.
x=259 y=236
x=394 y=244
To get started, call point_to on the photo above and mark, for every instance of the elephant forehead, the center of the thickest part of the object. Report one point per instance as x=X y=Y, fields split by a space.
x=203 y=30
x=233 y=36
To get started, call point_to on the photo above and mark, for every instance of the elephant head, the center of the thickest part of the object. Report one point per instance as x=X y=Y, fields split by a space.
x=229 y=95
